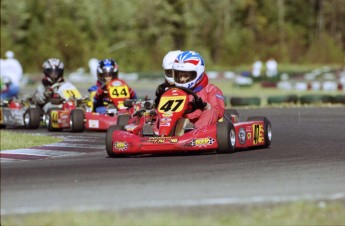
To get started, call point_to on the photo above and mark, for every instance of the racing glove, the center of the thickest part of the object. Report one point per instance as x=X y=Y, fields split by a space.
x=159 y=92
x=200 y=104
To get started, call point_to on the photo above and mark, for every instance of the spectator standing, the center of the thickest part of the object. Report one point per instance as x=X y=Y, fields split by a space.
x=256 y=70
x=11 y=76
x=93 y=64
x=271 y=67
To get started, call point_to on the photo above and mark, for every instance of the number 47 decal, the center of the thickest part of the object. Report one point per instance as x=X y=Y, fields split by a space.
x=171 y=105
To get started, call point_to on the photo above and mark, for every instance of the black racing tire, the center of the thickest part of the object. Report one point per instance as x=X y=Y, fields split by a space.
x=316 y=99
x=267 y=128
x=226 y=137
x=245 y=101
x=48 y=121
x=228 y=113
x=282 y=99
x=122 y=120
x=32 y=118
x=77 y=120
x=109 y=141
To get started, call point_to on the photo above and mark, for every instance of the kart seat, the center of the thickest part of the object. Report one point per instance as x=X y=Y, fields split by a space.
x=183 y=125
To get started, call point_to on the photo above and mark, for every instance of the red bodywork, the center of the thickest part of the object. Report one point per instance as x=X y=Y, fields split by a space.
x=171 y=109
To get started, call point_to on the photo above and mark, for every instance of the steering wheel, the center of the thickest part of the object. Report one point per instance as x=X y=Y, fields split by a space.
x=192 y=102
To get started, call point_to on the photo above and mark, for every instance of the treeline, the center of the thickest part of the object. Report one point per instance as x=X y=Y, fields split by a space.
x=137 y=33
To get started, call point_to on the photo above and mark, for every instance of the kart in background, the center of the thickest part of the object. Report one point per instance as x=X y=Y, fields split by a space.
x=19 y=113
x=167 y=131
x=67 y=109
x=76 y=113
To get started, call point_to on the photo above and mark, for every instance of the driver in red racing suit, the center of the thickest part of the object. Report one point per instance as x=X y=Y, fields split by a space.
x=189 y=72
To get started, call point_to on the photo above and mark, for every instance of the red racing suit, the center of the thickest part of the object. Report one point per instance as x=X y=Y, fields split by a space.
x=215 y=104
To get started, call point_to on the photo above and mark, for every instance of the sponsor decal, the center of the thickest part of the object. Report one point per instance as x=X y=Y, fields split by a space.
x=242 y=136
x=93 y=124
x=54 y=118
x=159 y=140
x=64 y=115
x=168 y=114
x=199 y=142
x=258 y=131
x=220 y=96
x=249 y=136
x=248 y=129
x=121 y=145
x=165 y=120
x=116 y=83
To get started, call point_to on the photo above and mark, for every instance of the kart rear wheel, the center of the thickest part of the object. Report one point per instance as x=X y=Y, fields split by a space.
x=226 y=137
x=32 y=118
x=122 y=120
x=109 y=140
x=48 y=121
x=77 y=120
x=267 y=128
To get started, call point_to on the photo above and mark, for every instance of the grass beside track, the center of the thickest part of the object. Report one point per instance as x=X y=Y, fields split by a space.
x=14 y=140
x=296 y=213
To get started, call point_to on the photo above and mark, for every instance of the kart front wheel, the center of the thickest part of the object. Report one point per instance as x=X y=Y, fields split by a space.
x=32 y=118
x=77 y=120
x=109 y=140
x=267 y=128
x=49 y=120
x=226 y=137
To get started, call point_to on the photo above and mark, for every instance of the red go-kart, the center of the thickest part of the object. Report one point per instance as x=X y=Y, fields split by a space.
x=166 y=130
x=66 y=110
x=117 y=112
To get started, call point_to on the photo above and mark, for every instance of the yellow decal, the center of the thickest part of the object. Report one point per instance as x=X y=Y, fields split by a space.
x=119 y=92
x=171 y=104
x=201 y=141
x=174 y=140
x=0 y=115
x=258 y=131
x=159 y=140
x=120 y=145
x=54 y=119
x=71 y=93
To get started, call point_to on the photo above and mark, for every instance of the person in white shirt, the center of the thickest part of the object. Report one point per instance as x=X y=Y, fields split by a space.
x=93 y=64
x=11 y=72
x=256 y=70
x=271 y=67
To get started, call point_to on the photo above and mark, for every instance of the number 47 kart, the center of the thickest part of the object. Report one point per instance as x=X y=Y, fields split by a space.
x=167 y=131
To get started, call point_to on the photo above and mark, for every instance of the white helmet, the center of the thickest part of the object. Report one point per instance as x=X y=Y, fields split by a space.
x=188 y=69
x=168 y=61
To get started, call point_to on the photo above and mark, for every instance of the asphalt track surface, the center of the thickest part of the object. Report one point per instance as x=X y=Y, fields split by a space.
x=306 y=161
